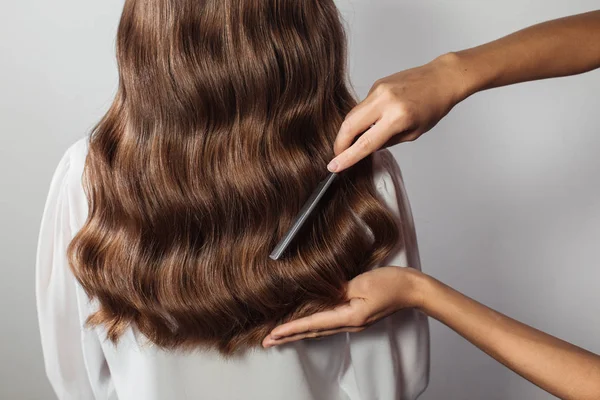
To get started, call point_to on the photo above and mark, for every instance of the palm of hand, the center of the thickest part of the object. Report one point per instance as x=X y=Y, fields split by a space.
x=371 y=297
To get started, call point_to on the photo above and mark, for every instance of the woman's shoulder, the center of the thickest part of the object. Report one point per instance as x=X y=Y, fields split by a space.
x=69 y=174
x=386 y=171
x=73 y=160
x=76 y=153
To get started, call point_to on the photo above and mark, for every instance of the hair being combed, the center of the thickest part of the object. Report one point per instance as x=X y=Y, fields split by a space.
x=222 y=126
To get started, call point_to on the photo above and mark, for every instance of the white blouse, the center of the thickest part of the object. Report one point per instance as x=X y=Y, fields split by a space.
x=389 y=360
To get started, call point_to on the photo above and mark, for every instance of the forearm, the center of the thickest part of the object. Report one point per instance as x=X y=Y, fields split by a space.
x=556 y=366
x=561 y=47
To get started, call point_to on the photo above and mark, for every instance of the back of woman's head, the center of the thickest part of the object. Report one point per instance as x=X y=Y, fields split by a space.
x=222 y=126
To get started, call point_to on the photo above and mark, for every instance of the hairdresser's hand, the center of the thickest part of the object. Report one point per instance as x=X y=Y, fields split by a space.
x=408 y=104
x=561 y=368
x=371 y=296
x=402 y=106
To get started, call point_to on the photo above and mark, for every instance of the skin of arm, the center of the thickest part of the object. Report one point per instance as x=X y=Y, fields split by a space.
x=562 y=47
x=404 y=106
x=560 y=368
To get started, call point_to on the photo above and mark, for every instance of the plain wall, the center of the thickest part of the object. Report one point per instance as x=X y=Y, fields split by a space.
x=505 y=190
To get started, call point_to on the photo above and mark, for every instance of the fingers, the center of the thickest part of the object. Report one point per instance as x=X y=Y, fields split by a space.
x=357 y=121
x=270 y=341
x=368 y=143
x=331 y=319
x=350 y=317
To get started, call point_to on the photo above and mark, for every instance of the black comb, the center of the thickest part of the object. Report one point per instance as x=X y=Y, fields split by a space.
x=303 y=215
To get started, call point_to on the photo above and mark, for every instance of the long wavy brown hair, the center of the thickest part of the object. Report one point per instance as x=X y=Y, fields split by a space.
x=222 y=126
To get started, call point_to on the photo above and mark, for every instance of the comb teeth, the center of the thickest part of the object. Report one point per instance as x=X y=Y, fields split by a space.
x=303 y=215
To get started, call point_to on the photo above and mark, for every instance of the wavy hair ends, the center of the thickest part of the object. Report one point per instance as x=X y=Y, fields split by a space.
x=222 y=126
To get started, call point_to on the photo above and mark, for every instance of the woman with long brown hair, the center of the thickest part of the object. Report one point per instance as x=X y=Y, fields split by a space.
x=153 y=273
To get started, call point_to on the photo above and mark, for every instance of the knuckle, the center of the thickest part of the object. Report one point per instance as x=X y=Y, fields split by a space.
x=401 y=111
x=347 y=124
x=409 y=111
x=364 y=143
x=383 y=88
x=377 y=85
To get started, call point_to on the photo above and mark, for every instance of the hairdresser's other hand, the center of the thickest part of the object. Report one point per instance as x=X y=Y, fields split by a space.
x=371 y=297
x=402 y=107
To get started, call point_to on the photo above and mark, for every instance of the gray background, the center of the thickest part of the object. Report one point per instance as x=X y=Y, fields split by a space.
x=505 y=191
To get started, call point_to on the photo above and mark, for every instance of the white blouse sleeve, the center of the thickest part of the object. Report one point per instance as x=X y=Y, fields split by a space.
x=391 y=189
x=73 y=357
x=390 y=359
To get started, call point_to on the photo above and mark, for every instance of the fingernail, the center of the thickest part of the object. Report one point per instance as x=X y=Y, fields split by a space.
x=333 y=166
x=275 y=337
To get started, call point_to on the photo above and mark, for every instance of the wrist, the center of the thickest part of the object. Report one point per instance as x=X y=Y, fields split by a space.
x=426 y=291
x=419 y=287
x=466 y=79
